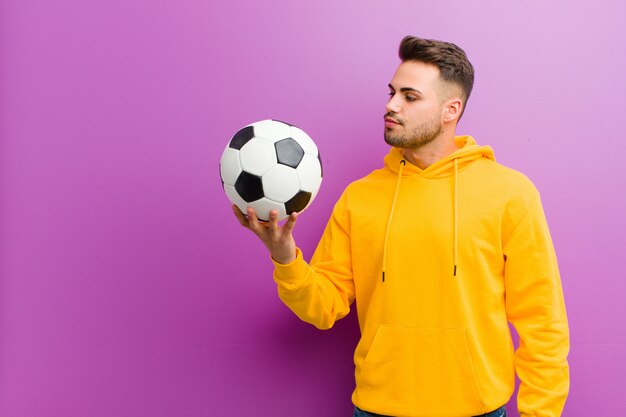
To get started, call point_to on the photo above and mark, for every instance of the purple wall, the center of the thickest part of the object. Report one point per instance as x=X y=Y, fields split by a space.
x=128 y=289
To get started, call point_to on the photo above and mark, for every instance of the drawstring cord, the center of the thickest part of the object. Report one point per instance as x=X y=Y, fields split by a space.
x=456 y=218
x=393 y=208
x=456 y=215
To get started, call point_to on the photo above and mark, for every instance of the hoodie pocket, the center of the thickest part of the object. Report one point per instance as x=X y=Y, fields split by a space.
x=424 y=371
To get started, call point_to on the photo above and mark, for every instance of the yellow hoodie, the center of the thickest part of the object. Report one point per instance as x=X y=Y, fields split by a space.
x=439 y=261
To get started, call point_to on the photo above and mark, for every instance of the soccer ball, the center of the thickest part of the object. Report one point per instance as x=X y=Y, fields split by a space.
x=271 y=165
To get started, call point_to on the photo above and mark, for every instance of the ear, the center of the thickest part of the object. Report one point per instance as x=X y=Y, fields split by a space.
x=452 y=110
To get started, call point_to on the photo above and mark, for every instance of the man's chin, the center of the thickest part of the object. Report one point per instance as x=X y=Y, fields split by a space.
x=396 y=142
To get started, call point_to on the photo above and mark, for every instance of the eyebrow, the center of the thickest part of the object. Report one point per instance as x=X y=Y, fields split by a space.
x=405 y=89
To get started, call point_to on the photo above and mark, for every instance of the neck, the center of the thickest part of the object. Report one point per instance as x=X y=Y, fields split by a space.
x=428 y=154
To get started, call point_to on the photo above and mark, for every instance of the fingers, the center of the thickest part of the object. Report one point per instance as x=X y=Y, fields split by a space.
x=243 y=220
x=248 y=220
x=273 y=224
x=253 y=220
x=291 y=222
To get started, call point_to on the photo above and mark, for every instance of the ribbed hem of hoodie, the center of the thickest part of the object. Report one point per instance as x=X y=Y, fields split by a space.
x=290 y=275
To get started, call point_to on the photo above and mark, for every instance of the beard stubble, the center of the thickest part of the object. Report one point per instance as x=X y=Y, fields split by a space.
x=417 y=137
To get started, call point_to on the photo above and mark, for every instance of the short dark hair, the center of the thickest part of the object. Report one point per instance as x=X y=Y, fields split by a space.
x=454 y=67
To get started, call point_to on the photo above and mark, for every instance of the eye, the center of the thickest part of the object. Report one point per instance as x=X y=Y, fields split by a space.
x=410 y=98
x=391 y=94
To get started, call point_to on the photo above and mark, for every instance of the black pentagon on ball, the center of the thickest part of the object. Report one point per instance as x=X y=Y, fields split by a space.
x=298 y=202
x=289 y=152
x=249 y=187
x=241 y=138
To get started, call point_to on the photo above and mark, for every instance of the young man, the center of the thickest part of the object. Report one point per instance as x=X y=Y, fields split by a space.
x=440 y=248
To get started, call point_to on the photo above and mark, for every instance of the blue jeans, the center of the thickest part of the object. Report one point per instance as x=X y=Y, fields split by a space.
x=500 y=412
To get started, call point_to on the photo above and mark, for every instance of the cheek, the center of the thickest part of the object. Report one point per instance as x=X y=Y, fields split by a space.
x=437 y=112
x=422 y=113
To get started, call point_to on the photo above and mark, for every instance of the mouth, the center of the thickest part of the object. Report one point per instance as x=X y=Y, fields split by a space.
x=391 y=122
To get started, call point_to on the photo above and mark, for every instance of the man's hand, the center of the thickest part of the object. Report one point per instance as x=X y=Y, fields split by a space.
x=278 y=239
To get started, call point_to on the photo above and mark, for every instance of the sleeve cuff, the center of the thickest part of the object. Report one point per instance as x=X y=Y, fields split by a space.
x=289 y=274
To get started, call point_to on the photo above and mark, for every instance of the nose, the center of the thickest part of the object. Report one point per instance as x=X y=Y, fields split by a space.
x=393 y=105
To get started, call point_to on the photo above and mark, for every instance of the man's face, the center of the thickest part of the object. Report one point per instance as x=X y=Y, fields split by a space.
x=414 y=109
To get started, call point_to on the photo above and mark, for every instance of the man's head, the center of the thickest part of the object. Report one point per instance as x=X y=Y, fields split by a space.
x=428 y=92
x=456 y=73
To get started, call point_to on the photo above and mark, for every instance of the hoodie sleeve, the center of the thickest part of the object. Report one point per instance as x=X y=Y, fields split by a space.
x=535 y=306
x=321 y=293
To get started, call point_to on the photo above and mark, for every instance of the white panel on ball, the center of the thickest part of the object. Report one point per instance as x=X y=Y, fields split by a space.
x=257 y=156
x=234 y=198
x=271 y=130
x=230 y=168
x=252 y=165
x=280 y=183
x=310 y=173
x=304 y=140
x=263 y=206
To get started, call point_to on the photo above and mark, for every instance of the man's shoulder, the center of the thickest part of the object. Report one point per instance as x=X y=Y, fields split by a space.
x=503 y=187
x=498 y=174
x=367 y=182
x=363 y=189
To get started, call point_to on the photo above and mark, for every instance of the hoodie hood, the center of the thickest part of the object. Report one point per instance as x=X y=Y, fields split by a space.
x=468 y=151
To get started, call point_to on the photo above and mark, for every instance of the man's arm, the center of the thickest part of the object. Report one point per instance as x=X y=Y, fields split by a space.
x=535 y=306
x=321 y=294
